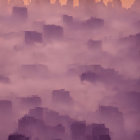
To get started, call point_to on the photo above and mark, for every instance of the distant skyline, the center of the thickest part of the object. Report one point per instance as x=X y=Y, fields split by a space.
x=125 y=3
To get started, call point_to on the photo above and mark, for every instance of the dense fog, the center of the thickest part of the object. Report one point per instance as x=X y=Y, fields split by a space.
x=69 y=73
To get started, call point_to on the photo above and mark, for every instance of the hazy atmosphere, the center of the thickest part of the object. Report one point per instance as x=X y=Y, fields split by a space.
x=70 y=70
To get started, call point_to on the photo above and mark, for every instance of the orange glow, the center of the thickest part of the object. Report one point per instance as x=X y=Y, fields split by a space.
x=52 y=1
x=107 y=1
x=75 y=3
x=63 y=2
x=125 y=3
x=26 y=2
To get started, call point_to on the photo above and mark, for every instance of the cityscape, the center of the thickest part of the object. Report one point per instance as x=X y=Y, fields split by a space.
x=124 y=3
x=69 y=70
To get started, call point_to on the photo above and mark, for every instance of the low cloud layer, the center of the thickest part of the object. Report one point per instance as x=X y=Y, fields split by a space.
x=90 y=53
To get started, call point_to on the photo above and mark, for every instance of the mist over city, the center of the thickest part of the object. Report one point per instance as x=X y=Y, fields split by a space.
x=69 y=70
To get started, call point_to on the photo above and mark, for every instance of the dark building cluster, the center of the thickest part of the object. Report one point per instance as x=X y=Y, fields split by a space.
x=20 y=13
x=33 y=37
x=49 y=32
x=61 y=96
x=41 y=123
x=92 y=23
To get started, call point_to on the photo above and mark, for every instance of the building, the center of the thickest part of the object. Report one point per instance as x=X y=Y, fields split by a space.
x=32 y=37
